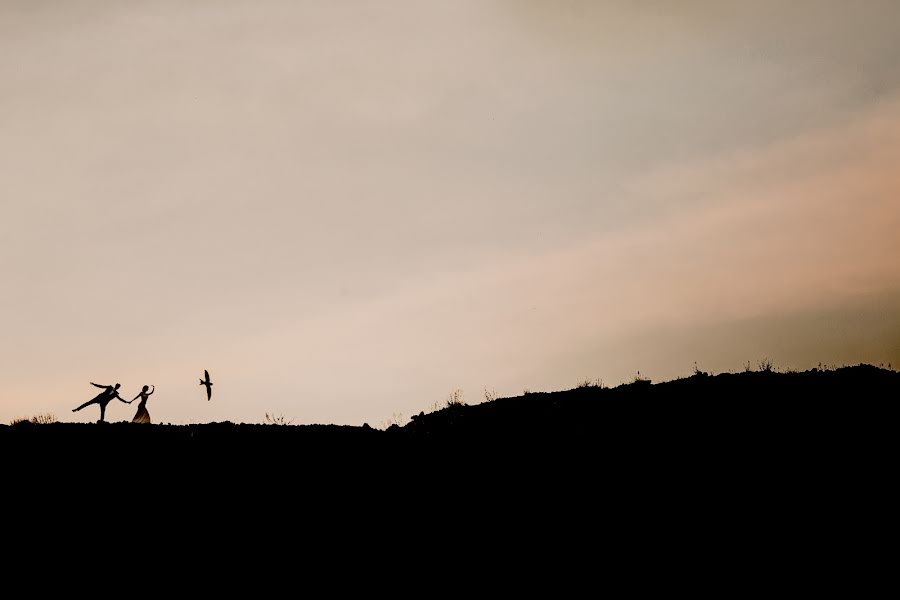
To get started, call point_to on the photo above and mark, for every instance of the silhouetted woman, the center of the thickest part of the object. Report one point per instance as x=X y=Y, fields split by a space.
x=142 y=416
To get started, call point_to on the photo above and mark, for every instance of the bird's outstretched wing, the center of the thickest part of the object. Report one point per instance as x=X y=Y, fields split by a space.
x=208 y=393
x=205 y=372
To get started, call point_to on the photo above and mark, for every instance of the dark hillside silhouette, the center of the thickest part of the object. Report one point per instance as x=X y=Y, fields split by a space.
x=727 y=456
x=702 y=414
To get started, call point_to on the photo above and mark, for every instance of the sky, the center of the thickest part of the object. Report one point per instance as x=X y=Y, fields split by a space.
x=347 y=210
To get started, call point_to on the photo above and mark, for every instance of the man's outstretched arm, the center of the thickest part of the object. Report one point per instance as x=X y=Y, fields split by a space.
x=102 y=387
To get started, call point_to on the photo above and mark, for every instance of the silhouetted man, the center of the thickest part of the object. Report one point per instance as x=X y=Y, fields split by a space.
x=105 y=397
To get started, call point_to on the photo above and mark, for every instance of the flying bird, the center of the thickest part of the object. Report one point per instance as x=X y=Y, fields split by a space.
x=208 y=385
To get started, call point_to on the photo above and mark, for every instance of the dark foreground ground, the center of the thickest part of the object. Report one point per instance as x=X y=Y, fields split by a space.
x=717 y=421
x=739 y=476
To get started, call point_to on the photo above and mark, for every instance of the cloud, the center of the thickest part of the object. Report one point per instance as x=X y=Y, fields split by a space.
x=788 y=232
x=344 y=210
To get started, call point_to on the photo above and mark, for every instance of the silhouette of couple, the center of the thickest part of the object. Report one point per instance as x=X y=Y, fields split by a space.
x=110 y=393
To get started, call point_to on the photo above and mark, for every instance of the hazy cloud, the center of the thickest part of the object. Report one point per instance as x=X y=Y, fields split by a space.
x=346 y=210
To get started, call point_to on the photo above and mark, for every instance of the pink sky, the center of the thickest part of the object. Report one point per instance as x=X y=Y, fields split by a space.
x=347 y=210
